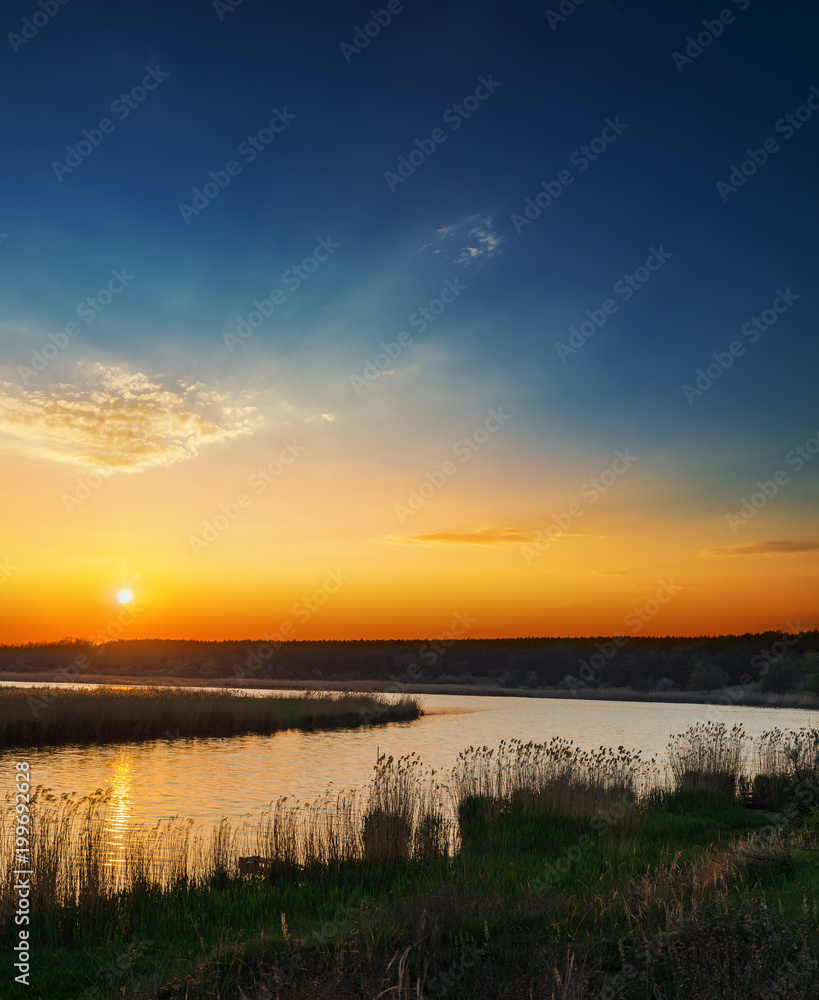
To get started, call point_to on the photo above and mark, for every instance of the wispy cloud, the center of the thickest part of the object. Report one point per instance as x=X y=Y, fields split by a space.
x=764 y=548
x=115 y=420
x=469 y=241
x=480 y=536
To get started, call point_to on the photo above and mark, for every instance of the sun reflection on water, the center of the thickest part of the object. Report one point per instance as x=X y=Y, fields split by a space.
x=121 y=805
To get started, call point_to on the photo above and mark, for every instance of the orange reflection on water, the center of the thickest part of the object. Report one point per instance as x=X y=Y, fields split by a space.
x=121 y=804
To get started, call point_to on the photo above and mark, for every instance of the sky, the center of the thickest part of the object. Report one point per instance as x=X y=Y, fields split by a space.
x=342 y=321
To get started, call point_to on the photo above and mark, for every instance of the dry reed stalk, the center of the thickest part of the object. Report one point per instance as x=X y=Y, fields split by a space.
x=548 y=777
x=708 y=757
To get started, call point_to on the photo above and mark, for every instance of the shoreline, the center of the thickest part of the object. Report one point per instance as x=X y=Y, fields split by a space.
x=723 y=697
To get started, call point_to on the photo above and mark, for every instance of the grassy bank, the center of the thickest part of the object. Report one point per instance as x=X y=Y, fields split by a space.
x=736 y=695
x=56 y=714
x=536 y=871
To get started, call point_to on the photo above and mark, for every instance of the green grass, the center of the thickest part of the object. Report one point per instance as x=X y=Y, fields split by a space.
x=560 y=886
x=203 y=931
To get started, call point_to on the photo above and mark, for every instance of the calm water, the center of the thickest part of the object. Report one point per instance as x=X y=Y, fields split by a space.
x=206 y=779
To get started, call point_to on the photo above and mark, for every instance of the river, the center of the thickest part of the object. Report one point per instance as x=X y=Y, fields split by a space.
x=205 y=779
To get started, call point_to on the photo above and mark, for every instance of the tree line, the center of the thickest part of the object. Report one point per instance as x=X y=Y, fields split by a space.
x=765 y=661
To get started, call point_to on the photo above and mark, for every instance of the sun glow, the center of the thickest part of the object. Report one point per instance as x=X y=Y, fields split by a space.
x=125 y=596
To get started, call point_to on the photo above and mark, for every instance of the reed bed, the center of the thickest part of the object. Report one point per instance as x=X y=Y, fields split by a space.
x=81 y=864
x=784 y=767
x=408 y=815
x=547 y=777
x=64 y=715
x=708 y=757
x=777 y=768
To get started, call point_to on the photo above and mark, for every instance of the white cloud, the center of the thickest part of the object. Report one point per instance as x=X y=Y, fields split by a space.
x=471 y=240
x=115 y=420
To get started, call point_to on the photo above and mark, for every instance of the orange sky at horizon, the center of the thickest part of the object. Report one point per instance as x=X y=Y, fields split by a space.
x=353 y=562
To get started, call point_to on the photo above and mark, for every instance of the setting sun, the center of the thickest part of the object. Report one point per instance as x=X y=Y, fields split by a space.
x=125 y=596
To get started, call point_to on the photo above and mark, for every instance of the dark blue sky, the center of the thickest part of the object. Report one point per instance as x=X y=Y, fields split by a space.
x=323 y=176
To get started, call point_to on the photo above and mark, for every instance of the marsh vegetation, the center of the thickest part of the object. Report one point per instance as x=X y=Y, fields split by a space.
x=40 y=715
x=527 y=870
